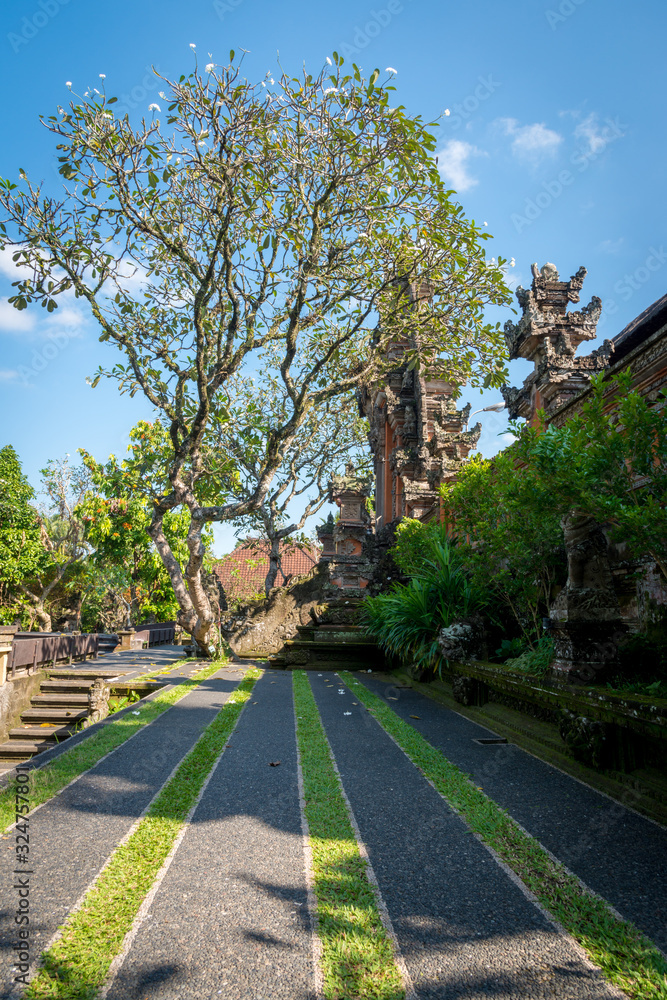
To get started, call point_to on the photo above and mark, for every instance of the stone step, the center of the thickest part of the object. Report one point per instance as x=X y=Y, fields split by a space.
x=53 y=715
x=23 y=749
x=81 y=686
x=40 y=733
x=55 y=699
x=86 y=674
x=323 y=655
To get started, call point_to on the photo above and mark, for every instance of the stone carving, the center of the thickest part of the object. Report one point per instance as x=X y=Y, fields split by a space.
x=468 y=690
x=416 y=434
x=585 y=621
x=463 y=641
x=98 y=702
x=588 y=739
x=548 y=335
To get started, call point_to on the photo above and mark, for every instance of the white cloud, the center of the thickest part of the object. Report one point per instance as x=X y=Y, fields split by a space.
x=530 y=142
x=13 y=321
x=453 y=163
x=7 y=266
x=611 y=246
x=8 y=374
x=592 y=137
x=67 y=316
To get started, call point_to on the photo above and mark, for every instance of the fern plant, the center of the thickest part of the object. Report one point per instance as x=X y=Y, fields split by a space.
x=407 y=619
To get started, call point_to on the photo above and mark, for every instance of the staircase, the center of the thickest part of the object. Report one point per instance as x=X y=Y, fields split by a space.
x=107 y=644
x=60 y=709
x=333 y=641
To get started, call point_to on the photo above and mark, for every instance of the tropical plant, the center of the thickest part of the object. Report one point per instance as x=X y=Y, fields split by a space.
x=510 y=537
x=407 y=619
x=608 y=462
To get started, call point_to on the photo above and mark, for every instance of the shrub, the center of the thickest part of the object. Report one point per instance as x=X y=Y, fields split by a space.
x=407 y=619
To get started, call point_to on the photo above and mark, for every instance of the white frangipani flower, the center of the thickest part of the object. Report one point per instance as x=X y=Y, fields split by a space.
x=329 y=61
x=390 y=69
x=69 y=84
x=103 y=76
x=485 y=224
x=512 y=262
x=331 y=90
x=447 y=112
x=162 y=95
x=210 y=67
x=154 y=107
x=272 y=80
x=192 y=45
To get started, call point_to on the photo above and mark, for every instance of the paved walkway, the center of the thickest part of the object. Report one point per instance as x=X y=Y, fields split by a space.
x=132 y=662
x=230 y=917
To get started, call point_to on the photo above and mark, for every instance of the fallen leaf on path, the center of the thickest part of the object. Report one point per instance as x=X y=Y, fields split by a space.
x=274 y=763
x=414 y=716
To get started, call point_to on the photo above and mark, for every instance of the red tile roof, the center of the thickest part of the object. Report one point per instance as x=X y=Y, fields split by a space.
x=243 y=571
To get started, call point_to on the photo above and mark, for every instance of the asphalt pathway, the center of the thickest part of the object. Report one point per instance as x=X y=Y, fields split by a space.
x=464 y=927
x=616 y=852
x=72 y=835
x=230 y=917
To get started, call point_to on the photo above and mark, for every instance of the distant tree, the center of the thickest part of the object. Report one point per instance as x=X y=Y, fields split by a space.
x=284 y=215
x=55 y=537
x=22 y=553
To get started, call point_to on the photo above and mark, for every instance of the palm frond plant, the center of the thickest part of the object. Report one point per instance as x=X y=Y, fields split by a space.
x=407 y=619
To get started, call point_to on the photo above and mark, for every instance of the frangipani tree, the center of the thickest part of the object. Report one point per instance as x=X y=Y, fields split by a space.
x=261 y=215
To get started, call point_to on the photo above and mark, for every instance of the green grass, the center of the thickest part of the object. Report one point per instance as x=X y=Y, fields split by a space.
x=76 y=966
x=52 y=778
x=357 y=957
x=627 y=958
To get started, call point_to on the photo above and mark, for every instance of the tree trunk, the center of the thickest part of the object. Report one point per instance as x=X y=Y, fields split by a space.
x=274 y=563
x=204 y=631
x=195 y=615
x=43 y=617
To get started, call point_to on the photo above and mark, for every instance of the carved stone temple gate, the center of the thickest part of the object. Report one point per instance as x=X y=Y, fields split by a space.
x=418 y=441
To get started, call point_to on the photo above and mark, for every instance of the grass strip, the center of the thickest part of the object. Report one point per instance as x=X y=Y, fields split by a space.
x=626 y=957
x=357 y=957
x=47 y=781
x=75 y=967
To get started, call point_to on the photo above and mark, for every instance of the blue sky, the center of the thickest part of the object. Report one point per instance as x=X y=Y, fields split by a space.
x=555 y=139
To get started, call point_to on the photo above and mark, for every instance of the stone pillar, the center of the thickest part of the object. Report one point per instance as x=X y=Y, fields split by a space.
x=585 y=621
x=125 y=636
x=7 y=633
x=348 y=566
x=325 y=533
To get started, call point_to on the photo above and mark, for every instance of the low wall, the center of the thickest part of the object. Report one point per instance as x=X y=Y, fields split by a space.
x=15 y=695
x=603 y=729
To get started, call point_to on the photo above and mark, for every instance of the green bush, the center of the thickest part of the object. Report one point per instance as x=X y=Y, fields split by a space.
x=407 y=619
x=536 y=661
